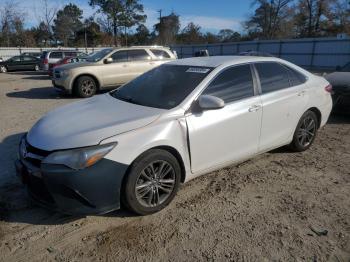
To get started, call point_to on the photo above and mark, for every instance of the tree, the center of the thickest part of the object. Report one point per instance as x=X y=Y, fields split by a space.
x=211 y=38
x=312 y=18
x=167 y=29
x=228 y=35
x=191 y=34
x=142 y=35
x=91 y=32
x=131 y=15
x=46 y=15
x=113 y=10
x=68 y=23
x=268 y=18
x=12 y=20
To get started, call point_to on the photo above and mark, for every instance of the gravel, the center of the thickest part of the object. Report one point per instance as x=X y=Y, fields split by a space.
x=273 y=207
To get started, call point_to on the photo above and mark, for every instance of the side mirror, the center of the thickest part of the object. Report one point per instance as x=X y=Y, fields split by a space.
x=108 y=60
x=208 y=102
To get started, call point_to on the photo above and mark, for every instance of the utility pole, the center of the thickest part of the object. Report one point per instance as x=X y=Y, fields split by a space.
x=85 y=37
x=160 y=26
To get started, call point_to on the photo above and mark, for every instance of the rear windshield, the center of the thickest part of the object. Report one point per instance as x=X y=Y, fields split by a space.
x=163 y=87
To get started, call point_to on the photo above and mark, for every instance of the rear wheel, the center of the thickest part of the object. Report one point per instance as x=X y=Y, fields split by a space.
x=305 y=132
x=3 y=69
x=152 y=182
x=86 y=86
x=36 y=68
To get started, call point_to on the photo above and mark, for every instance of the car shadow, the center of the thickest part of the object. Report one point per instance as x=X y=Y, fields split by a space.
x=15 y=205
x=38 y=93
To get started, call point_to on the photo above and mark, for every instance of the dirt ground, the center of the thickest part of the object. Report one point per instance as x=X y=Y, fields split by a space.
x=271 y=208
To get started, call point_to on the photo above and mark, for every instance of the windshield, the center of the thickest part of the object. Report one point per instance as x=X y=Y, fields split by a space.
x=99 y=55
x=163 y=87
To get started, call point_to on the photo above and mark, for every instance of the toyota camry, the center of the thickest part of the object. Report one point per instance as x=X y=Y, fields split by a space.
x=137 y=144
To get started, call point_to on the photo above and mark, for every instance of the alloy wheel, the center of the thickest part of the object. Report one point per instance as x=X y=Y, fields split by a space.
x=88 y=87
x=307 y=131
x=155 y=184
x=36 y=68
x=3 y=69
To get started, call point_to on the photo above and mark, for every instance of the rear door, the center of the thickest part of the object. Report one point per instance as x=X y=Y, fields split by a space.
x=139 y=62
x=54 y=57
x=284 y=96
x=230 y=134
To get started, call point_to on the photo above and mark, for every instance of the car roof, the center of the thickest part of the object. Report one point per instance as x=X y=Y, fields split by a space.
x=216 y=61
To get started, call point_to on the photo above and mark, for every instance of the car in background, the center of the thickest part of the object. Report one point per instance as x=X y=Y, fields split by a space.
x=201 y=53
x=48 y=58
x=108 y=68
x=340 y=80
x=176 y=122
x=15 y=63
x=255 y=53
x=35 y=54
x=66 y=60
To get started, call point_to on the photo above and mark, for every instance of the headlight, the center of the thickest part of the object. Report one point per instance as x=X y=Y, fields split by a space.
x=64 y=72
x=79 y=158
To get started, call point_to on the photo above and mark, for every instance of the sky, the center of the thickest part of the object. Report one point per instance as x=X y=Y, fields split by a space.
x=210 y=15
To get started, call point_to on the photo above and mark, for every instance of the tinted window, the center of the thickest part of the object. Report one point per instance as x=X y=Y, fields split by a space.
x=56 y=55
x=273 y=77
x=16 y=59
x=233 y=84
x=27 y=58
x=163 y=87
x=160 y=53
x=120 y=56
x=138 y=55
x=295 y=77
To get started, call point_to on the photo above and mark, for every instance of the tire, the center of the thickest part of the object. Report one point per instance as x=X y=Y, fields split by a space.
x=3 y=69
x=86 y=86
x=305 y=132
x=36 y=68
x=142 y=186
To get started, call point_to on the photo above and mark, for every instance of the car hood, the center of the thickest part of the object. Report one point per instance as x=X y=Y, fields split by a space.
x=87 y=122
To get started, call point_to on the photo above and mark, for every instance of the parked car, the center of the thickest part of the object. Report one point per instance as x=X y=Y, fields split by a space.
x=48 y=58
x=178 y=121
x=20 y=63
x=108 y=68
x=201 y=53
x=35 y=54
x=66 y=60
x=340 y=81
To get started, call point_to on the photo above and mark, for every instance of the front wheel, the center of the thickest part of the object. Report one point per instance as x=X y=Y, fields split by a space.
x=86 y=86
x=3 y=69
x=305 y=132
x=152 y=182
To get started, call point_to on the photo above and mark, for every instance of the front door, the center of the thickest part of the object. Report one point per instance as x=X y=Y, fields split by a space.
x=230 y=134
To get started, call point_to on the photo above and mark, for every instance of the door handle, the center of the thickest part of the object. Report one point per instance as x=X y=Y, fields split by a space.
x=254 y=108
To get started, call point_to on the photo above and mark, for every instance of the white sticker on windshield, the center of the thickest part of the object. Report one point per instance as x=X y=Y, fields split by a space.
x=198 y=70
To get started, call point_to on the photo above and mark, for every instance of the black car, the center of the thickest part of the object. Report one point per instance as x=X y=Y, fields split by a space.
x=340 y=82
x=20 y=63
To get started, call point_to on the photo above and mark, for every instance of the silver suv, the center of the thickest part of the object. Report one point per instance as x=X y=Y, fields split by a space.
x=48 y=58
x=109 y=68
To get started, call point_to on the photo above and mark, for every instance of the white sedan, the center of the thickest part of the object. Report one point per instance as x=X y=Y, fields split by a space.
x=183 y=119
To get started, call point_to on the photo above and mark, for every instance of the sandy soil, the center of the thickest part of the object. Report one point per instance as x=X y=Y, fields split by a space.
x=269 y=208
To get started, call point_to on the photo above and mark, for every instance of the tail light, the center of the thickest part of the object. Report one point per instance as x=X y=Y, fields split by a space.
x=46 y=61
x=329 y=88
